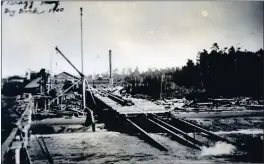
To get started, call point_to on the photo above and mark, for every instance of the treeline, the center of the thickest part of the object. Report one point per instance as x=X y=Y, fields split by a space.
x=216 y=72
x=220 y=72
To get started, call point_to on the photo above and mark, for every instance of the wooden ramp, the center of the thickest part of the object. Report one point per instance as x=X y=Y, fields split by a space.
x=129 y=110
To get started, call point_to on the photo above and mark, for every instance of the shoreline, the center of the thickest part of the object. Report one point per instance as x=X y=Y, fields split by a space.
x=217 y=114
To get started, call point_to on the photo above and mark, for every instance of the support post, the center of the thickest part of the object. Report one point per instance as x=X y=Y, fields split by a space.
x=17 y=155
x=110 y=68
x=81 y=39
x=93 y=122
x=17 y=146
x=25 y=139
x=36 y=105
x=45 y=105
x=30 y=117
x=83 y=92
x=48 y=104
x=29 y=140
x=84 y=105
x=161 y=88
x=58 y=102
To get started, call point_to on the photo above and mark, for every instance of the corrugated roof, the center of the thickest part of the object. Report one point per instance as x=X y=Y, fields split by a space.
x=34 y=83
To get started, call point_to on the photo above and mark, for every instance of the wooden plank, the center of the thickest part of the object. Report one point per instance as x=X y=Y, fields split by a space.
x=148 y=138
x=177 y=137
x=204 y=131
x=8 y=142
x=176 y=130
x=28 y=108
x=127 y=109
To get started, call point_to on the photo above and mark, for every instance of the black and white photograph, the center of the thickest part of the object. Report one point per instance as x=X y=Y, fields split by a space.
x=132 y=82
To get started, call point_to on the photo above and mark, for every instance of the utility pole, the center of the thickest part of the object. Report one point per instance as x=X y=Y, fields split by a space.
x=81 y=39
x=110 y=68
x=162 y=77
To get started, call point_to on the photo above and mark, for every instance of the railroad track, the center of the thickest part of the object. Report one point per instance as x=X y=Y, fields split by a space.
x=142 y=124
x=118 y=99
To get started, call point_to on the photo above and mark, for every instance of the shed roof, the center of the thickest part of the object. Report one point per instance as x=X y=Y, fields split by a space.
x=34 y=83
x=66 y=75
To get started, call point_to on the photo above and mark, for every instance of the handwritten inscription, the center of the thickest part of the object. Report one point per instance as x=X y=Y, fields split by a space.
x=22 y=7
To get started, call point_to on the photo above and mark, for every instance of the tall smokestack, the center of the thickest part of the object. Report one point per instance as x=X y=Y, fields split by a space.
x=110 y=67
x=81 y=9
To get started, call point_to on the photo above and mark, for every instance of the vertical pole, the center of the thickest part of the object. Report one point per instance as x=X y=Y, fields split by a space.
x=30 y=117
x=81 y=39
x=48 y=104
x=58 y=102
x=17 y=155
x=93 y=123
x=17 y=152
x=110 y=66
x=83 y=96
x=26 y=135
x=84 y=106
x=37 y=105
x=161 y=87
x=41 y=87
x=29 y=140
x=45 y=104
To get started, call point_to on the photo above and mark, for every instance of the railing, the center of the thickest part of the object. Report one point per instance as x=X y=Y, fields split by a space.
x=20 y=136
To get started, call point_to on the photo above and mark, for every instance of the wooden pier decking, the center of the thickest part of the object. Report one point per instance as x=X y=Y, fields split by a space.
x=135 y=109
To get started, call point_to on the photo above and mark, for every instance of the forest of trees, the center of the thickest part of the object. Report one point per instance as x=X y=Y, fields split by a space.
x=217 y=72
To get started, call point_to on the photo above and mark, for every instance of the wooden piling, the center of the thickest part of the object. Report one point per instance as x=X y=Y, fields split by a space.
x=48 y=104
x=17 y=145
x=58 y=101
x=45 y=105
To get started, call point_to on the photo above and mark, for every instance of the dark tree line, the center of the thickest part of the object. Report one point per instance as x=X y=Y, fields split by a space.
x=217 y=72
x=231 y=72
x=220 y=72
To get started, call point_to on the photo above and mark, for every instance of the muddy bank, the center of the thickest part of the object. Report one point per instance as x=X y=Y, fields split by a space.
x=219 y=114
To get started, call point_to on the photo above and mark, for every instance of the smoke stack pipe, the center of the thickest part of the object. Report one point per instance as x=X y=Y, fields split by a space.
x=110 y=67
x=110 y=64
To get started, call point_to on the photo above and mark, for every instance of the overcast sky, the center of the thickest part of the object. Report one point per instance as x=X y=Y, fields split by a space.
x=144 y=34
